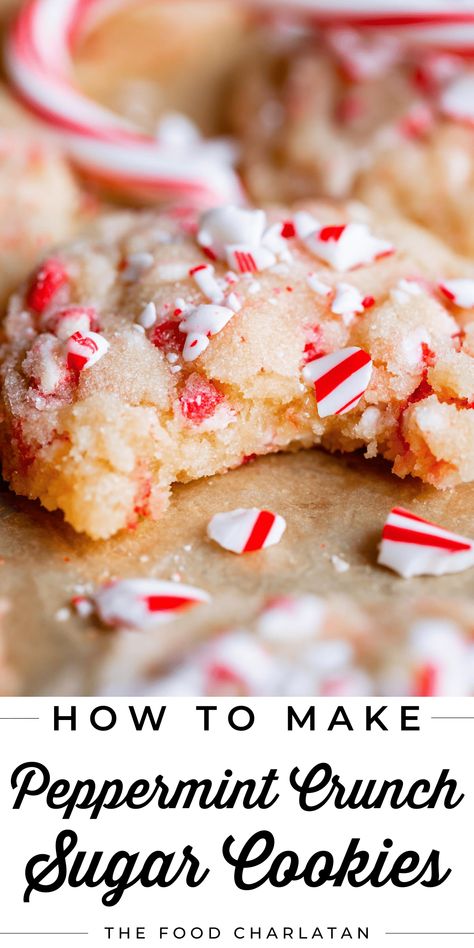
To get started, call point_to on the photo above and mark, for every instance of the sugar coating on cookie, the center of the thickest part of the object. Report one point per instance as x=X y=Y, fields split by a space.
x=121 y=375
x=350 y=112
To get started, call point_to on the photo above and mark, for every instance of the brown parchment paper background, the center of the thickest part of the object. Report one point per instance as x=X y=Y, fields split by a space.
x=333 y=505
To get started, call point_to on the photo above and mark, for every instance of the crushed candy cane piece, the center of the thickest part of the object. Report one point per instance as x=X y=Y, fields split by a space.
x=288 y=619
x=405 y=290
x=317 y=285
x=167 y=337
x=200 y=323
x=439 y=657
x=203 y=275
x=412 y=546
x=237 y=663
x=460 y=292
x=233 y=301
x=65 y=322
x=305 y=224
x=418 y=121
x=83 y=605
x=274 y=240
x=248 y=258
x=147 y=317
x=199 y=399
x=136 y=265
x=246 y=530
x=346 y=246
x=457 y=99
x=142 y=603
x=364 y=56
x=348 y=301
x=48 y=280
x=44 y=364
x=83 y=351
x=340 y=565
x=230 y=225
x=340 y=380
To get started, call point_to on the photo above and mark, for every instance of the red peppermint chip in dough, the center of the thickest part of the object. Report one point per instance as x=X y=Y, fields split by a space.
x=199 y=399
x=141 y=603
x=83 y=351
x=460 y=292
x=347 y=246
x=168 y=337
x=340 y=380
x=50 y=277
x=412 y=546
x=246 y=530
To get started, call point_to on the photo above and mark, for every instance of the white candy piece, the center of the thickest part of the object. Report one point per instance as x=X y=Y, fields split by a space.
x=136 y=265
x=200 y=323
x=317 y=285
x=460 y=292
x=69 y=321
x=143 y=603
x=348 y=301
x=239 y=658
x=440 y=654
x=230 y=225
x=249 y=258
x=305 y=224
x=412 y=546
x=457 y=100
x=405 y=290
x=207 y=283
x=246 y=530
x=345 y=247
x=147 y=317
x=291 y=618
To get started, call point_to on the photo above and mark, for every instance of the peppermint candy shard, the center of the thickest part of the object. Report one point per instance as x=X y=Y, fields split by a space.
x=246 y=530
x=199 y=324
x=412 y=546
x=340 y=380
x=143 y=603
x=83 y=351
x=347 y=246
x=460 y=292
x=229 y=225
x=249 y=258
x=456 y=100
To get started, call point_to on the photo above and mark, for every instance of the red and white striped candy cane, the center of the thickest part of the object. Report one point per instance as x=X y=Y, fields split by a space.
x=438 y=23
x=38 y=60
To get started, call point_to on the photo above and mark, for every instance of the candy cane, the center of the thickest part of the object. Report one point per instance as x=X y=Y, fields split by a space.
x=38 y=59
x=436 y=23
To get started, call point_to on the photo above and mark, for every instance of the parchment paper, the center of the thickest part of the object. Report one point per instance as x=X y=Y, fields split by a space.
x=333 y=505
